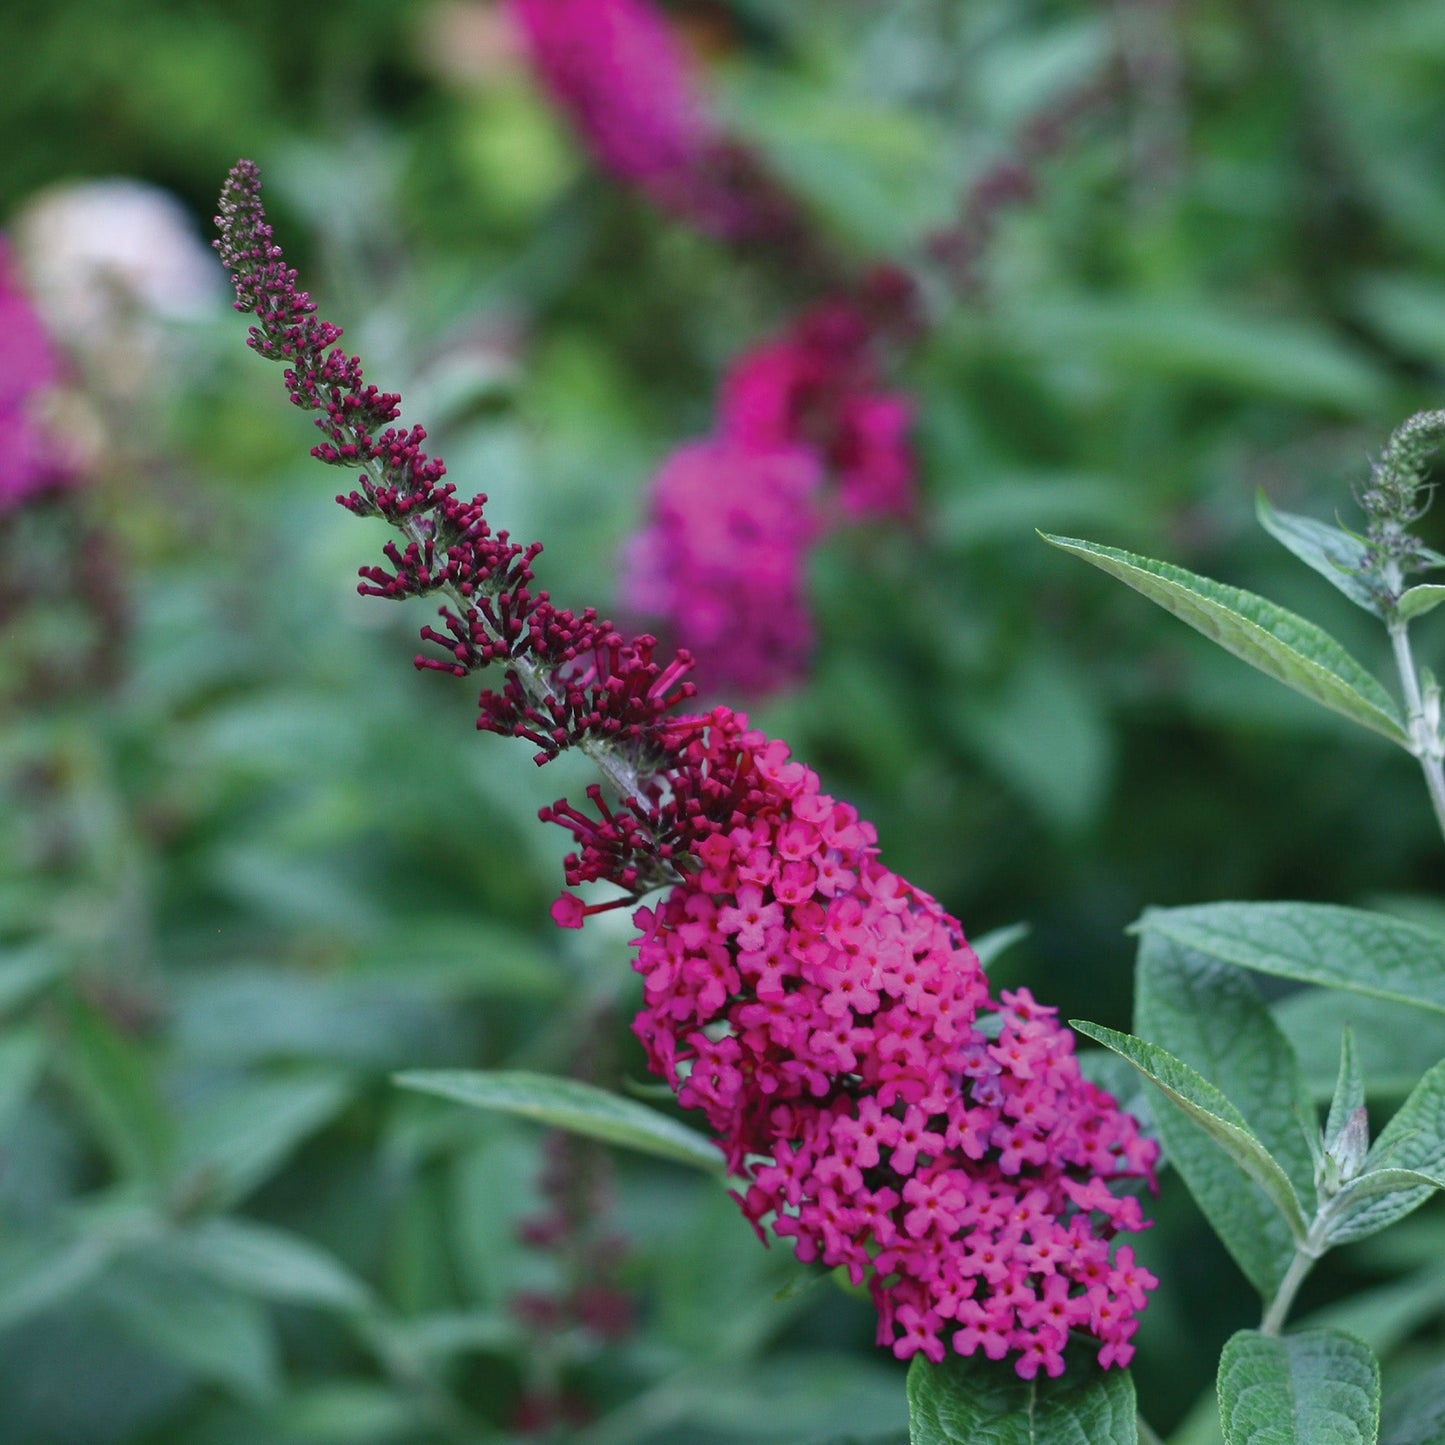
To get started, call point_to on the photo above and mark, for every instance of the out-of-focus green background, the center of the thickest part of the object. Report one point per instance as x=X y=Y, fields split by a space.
x=251 y=863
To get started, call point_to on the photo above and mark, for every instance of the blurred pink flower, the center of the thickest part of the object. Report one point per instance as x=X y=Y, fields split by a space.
x=817 y=386
x=805 y=437
x=619 y=73
x=723 y=558
x=29 y=366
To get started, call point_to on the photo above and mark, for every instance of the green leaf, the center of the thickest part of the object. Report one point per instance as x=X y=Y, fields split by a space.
x=974 y=1402
x=24 y=972
x=266 y=1262
x=1279 y=643
x=344 y=1412
x=240 y=1138
x=1405 y=1166
x=216 y=1334
x=1395 y=1042
x=1375 y=1200
x=1417 y=601
x=1211 y=1017
x=36 y=1274
x=1322 y=943
x=425 y=1339
x=1211 y=1111
x=1149 y=336
x=1317 y=1388
x=22 y=1057
x=1043 y=731
x=570 y=1104
x=114 y=1081
x=1337 y=556
x=246 y=1013
x=1415 y=1414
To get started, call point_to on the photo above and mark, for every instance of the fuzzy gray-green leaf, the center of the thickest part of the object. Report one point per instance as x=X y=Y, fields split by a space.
x=1321 y=1387
x=1279 y=643
x=979 y=1402
x=1211 y=1111
x=1337 y=556
x=1347 y=948
x=1211 y=1017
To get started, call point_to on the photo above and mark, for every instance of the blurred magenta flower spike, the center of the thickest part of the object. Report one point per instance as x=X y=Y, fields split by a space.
x=817 y=386
x=806 y=439
x=723 y=560
x=617 y=70
x=30 y=462
x=875 y=1104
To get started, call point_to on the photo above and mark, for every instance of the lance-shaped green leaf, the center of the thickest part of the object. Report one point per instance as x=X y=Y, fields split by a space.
x=1375 y=1200
x=1211 y=1017
x=1405 y=1166
x=1279 y=643
x=1336 y=555
x=571 y=1104
x=259 y=1260
x=1322 y=943
x=1201 y=1102
x=979 y=1402
x=1321 y=1387
x=1416 y=601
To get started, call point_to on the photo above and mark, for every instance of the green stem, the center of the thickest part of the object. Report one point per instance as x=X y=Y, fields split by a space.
x=1423 y=729
x=1294 y=1277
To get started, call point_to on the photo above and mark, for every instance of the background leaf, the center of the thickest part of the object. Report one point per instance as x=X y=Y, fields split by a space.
x=262 y=1261
x=1415 y=1414
x=571 y=1104
x=1347 y=948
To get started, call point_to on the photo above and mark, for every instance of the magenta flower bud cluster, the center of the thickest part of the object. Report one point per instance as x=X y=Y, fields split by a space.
x=570 y=679
x=828 y=1018
x=836 y=1030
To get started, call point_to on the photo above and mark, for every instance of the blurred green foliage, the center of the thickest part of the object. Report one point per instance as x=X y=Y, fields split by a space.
x=251 y=864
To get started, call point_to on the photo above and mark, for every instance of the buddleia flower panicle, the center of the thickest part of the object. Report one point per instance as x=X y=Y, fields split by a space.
x=874 y=1103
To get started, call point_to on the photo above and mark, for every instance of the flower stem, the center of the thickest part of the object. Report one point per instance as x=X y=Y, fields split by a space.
x=1423 y=728
x=1294 y=1277
x=626 y=776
